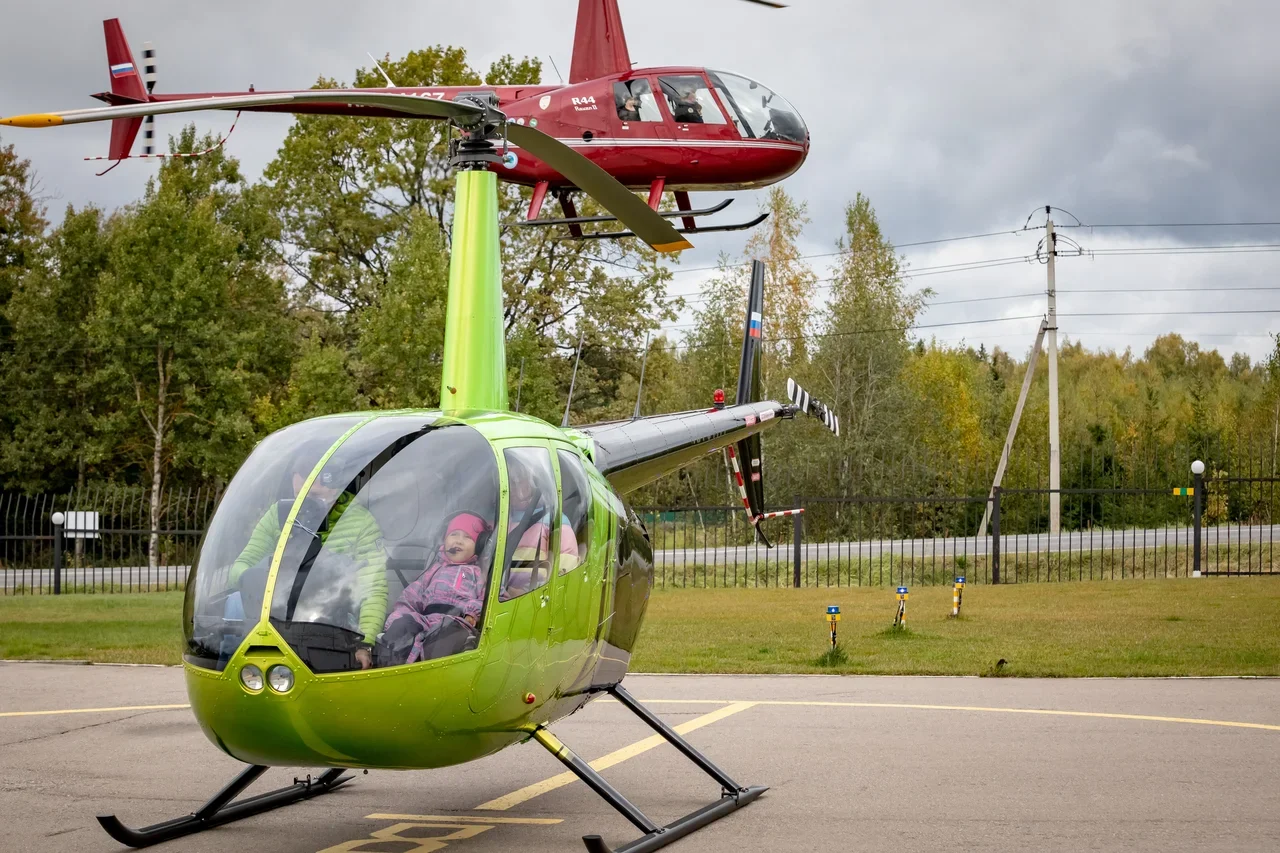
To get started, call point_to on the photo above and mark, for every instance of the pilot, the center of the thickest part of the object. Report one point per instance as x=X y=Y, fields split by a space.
x=438 y=613
x=630 y=109
x=345 y=529
x=686 y=108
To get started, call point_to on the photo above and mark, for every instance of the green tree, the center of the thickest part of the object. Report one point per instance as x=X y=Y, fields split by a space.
x=349 y=191
x=22 y=224
x=401 y=336
x=189 y=322
x=862 y=349
x=49 y=373
x=320 y=383
x=790 y=283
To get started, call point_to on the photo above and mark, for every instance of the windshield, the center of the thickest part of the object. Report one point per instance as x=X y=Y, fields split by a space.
x=390 y=565
x=758 y=112
x=225 y=586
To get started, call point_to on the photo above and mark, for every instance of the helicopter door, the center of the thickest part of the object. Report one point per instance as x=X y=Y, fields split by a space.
x=521 y=620
x=572 y=616
x=702 y=127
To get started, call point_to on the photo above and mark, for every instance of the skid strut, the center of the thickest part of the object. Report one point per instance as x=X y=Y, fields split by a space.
x=220 y=809
x=732 y=797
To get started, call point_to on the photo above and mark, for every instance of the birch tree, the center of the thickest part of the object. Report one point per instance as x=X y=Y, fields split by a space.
x=189 y=324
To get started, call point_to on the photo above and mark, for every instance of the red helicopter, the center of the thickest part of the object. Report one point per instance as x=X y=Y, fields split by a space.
x=676 y=129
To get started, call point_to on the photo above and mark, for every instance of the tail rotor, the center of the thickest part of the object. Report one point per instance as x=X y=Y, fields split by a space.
x=149 y=80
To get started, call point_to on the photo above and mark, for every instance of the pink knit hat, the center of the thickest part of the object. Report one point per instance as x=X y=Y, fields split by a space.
x=472 y=525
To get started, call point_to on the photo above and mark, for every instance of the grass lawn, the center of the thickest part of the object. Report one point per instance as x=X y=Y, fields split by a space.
x=1208 y=626
x=130 y=628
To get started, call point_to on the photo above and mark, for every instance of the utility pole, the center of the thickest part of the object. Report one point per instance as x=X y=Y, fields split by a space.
x=1055 y=449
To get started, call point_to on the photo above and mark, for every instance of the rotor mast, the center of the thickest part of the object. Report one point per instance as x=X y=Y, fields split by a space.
x=474 y=373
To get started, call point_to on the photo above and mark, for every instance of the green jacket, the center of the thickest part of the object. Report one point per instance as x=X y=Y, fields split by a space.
x=357 y=536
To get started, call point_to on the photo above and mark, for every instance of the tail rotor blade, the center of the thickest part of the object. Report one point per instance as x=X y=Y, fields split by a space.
x=149 y=80
x=801 y=399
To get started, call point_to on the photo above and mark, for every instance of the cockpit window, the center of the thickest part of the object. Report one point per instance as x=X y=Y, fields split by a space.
x=576 y=490
x=635 y=102
x=758 y=112
x=690 y=100
x=226 y=585
x=394 y=568
x=534 y=501
x=386 y=561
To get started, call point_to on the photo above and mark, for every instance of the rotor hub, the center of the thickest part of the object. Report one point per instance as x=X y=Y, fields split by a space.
x=475 y=149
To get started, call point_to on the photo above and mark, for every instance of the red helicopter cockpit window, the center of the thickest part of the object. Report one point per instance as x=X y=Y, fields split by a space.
x=634 y=101
x=689 y=99
x=390 y=564
x=759 y=112
x=225 y=587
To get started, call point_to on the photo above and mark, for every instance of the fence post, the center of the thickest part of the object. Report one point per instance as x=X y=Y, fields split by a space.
x=1197 y=493
x=995 y=535
x=58 y=519
x=797 y=539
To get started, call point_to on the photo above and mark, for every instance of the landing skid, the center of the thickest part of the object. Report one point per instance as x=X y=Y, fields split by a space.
x=732 y=796
x=703 y=229
x=584 y=220
x=685 y=213
x=220 y=809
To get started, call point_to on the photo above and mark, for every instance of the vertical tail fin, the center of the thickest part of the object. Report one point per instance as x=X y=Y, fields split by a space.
x=750 y=389
x=599 y=45
x=126 y=80
x=126 y=83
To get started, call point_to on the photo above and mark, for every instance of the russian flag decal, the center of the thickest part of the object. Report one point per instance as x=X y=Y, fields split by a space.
x=124 y=69
x=753 y=328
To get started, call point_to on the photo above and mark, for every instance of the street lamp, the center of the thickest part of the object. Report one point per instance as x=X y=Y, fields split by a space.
x=1197 y=491
x=57 y=519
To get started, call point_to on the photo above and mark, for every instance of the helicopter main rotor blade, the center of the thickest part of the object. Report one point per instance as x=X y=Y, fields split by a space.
x=600 y=185
x=768 y=3
x=410 y=105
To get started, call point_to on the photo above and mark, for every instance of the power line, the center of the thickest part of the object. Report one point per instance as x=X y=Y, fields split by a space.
x=991 y=298
x=1173 y=225
x=910 y=245
x=1163 y=289
x=1170 y=313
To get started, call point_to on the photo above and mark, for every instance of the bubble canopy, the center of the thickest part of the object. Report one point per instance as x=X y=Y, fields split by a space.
x=344 y=530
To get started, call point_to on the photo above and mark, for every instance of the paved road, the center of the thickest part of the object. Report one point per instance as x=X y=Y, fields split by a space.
x=971 y=546
x=855 y=764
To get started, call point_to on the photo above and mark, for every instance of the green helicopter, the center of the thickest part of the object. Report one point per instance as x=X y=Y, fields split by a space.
x=418 y=589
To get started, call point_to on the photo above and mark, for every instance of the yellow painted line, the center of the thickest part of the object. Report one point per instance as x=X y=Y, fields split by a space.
x=523 y=821
x=93 y=710
x=537 y=789
x=1193 y=721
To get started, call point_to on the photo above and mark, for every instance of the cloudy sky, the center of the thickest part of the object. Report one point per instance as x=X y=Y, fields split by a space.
x=955 y=118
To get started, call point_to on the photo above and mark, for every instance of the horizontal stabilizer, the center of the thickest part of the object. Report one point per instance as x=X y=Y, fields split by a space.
x=814 y=408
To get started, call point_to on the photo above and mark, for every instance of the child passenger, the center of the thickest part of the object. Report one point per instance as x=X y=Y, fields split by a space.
x=437 y=612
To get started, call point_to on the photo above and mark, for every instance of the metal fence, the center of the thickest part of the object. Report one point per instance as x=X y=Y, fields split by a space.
x=106 y=540
x=1220 y=526
x=1216 y=527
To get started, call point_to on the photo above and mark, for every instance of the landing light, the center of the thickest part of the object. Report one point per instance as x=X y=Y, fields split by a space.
x=251 y=678
x=280 y=677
